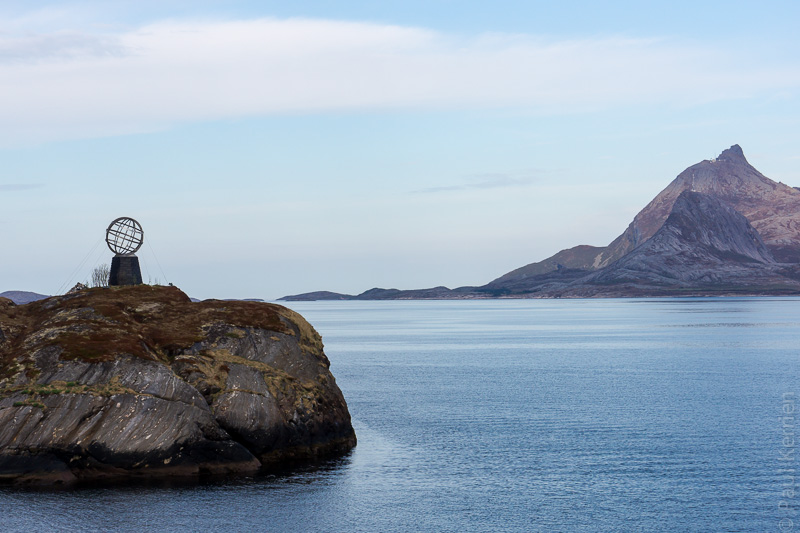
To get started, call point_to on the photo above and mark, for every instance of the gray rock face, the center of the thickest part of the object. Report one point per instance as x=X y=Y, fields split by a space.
x=703 y=241
x=139 y=381
x=89 y=436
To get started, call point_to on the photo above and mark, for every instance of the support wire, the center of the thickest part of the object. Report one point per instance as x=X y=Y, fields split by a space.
x=71 y=277
x=157 y=261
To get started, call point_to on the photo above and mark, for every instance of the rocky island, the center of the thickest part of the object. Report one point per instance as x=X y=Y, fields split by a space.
x=140 y=381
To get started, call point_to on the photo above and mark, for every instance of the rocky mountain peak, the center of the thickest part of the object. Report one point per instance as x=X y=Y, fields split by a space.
x=734 y=154
x=704 y=246
x=772 y=208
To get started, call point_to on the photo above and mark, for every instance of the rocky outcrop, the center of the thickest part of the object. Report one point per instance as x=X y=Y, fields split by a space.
x=140 y=381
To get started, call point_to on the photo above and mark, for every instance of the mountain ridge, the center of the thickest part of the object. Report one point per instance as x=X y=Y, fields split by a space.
x=720 y=216
x=22 y=297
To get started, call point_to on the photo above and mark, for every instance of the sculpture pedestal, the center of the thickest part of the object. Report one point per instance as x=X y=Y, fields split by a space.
x=125 y=270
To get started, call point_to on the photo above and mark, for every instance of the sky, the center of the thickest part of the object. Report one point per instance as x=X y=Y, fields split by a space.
x=272 y=148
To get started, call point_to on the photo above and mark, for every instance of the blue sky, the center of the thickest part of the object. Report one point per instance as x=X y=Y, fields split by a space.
x=271 y=148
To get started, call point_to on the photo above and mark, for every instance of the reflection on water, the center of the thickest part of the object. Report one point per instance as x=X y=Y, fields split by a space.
x=545 y=415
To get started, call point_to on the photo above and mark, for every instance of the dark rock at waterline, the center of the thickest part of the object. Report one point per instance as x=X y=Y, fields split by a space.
x=141 y=382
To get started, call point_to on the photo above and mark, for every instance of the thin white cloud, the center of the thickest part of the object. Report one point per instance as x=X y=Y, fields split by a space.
x=65 y=85
x=482 y=181
x=14 y=187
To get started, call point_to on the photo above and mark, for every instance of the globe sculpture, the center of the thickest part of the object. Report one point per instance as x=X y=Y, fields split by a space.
x=124 y=237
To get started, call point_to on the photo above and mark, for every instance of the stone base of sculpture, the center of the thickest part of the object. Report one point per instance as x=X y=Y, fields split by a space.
x=125 y=270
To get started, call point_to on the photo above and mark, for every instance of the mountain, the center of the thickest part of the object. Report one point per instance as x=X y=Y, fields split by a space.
x=771 y=207
x=22 y=297
x=720 y=227
x=704 y=247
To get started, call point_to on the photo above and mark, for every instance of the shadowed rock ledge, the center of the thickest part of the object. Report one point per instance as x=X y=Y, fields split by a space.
x=142 y=382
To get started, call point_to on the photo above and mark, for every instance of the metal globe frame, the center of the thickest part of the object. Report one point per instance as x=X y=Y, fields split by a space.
x=124 y=236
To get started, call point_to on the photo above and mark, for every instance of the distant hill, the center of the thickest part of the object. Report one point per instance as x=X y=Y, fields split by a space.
x=320 y=295
x=583 y=257
x=434 y=293
x=720 y=227
x=22 y=297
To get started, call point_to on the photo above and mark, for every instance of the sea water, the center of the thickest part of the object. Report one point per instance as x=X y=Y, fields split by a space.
x=515 y=415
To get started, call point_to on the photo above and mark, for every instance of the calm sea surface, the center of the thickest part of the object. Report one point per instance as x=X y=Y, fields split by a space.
x=515 y=415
